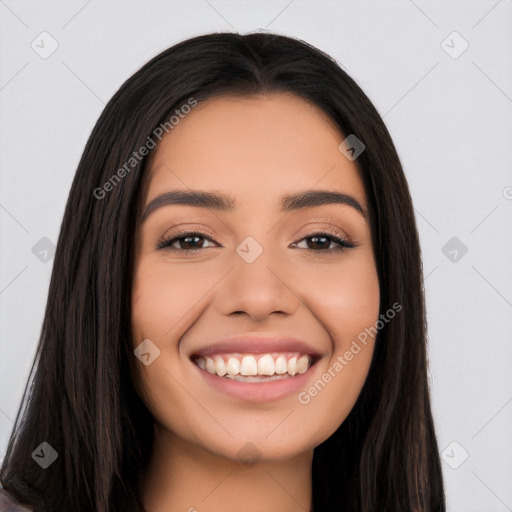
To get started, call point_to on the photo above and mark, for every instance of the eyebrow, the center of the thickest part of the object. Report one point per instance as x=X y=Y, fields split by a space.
x=222 y=202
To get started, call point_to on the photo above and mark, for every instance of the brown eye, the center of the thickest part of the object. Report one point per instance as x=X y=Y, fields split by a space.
x=189 y=241
x=321 y=243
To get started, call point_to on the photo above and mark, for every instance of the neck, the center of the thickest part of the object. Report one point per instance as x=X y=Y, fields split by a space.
x=184 y=477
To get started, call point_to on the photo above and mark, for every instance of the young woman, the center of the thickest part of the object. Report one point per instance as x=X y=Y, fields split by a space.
x=236 y=318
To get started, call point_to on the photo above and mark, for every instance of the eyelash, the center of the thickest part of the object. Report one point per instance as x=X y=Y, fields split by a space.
x=343 y=243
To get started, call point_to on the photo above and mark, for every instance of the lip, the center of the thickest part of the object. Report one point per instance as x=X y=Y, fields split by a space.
x=257 y=344
x=257 y=391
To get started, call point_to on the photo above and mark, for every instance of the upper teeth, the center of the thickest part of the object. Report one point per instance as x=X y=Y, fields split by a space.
x=266 y=364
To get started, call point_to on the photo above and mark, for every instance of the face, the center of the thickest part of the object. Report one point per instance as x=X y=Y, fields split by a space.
x=219 y=287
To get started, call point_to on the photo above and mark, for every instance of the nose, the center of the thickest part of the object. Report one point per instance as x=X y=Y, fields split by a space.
x=258 y=289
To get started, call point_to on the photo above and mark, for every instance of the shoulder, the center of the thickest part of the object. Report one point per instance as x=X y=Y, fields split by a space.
x=8 y=503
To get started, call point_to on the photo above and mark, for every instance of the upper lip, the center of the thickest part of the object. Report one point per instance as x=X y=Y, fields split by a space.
x=258 y=344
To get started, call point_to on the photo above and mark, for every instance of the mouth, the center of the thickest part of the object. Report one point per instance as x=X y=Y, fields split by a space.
x=255 y=367
x=256 y=377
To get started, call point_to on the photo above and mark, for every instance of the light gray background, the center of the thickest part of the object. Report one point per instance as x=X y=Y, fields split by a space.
x=451 y=120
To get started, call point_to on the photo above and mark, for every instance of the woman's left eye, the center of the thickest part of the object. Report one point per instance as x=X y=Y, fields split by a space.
x=191 y=238
x=320 y=238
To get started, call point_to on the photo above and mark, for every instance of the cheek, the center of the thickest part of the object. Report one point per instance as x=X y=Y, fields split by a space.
x=352 y=297
x=346 y=297
x=347 y=303
x=162 y=301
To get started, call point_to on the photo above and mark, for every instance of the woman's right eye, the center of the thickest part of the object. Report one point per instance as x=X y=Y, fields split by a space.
x=188 y=239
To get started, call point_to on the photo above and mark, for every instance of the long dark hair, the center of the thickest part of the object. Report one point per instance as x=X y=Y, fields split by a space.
x=82 y=399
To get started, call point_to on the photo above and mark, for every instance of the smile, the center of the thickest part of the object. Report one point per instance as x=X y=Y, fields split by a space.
x=255 y=367
x=256 y=377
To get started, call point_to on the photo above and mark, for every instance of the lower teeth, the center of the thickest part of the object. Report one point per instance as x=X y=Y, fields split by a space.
x=257 y=378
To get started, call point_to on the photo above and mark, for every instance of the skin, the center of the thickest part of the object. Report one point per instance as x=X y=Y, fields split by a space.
x=254 y=148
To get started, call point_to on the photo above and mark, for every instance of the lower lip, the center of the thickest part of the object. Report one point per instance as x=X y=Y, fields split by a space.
x=257 y=391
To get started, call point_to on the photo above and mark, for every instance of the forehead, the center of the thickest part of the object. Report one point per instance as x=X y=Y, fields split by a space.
x=254 y=148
